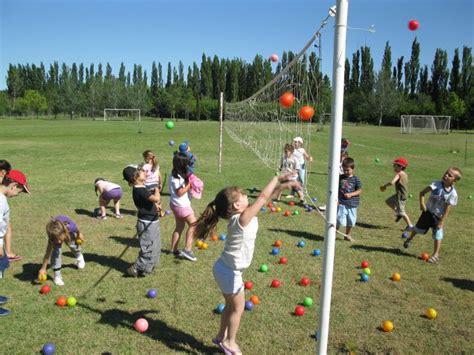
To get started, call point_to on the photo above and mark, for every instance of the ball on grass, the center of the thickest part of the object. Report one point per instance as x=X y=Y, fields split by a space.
x=152 y=293
x=387 y=326
x=308 y=302
x=263 y=268
x=220 y=308
x=49 y=349
x=316 y=252
x=249 y=305
x=71 y=301
x=431 y=313
x=141 y=325
x=169 y=124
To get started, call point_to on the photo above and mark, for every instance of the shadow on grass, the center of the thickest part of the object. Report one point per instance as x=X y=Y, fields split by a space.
x=370 y=226
x=173 y=338
x=395 y=251
x=29 y=273
x=463 y=284
x=93 y=213
x=84 y=212
x=129 y=241
x=108 y=261
x=298 y=234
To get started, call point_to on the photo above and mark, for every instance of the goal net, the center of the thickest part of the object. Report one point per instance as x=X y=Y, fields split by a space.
x=122 y=114
x=425 y=124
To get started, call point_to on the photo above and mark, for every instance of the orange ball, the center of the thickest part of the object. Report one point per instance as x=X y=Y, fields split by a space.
x=214 y=238
x=396 y=276
x=287 y=99
x=306 y=113
x=287 y=213
x=424 y=256
x=277 y=243
x=255 y=299
x=387 y=326
x=61 y=301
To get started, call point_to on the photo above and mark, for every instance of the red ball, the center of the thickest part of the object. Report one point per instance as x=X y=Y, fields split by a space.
x=291 y=203
x=283 y=260
x=306 y=113
x=287 y=99
x=44 y=290
x=424 y=256
x=277 y=243
x=299 y=311
x=364 y=264
x=304 y=281
x=276 y=283
x=274 y=58
x=248 y=285
x=287 y=213
x=413 y=25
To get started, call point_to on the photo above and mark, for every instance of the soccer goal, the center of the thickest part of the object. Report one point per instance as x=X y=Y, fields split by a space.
x=425 y=124
x=122 y=114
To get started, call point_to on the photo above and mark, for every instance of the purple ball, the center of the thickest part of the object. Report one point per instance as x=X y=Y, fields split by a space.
x=249 y=305
x=152 y=293
x=49 y=349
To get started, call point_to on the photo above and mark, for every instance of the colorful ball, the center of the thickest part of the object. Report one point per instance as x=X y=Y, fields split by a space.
x=248 y=285
x=405 y=235
x=387 y=326
x=278 y=209
x=314 y=199
x=169 y=124
x=291 y=203
x=306 y=113
x=366 y=271
x=79 y=241
x=61 y=301
x=263 y=268
x=42 y=277
x=220 y=308
x=299 y=311
x=287 y=99
x=45 y=289
x=263 y=209
x=167 y=212
x=413 y=25
x=49 y=349
x=377 y=160
x=255 y=299
x=305 y=281
x=316 y=252
x=71 y=301
x=364 y=264
x=301 y=244
x=424 y=256
x=249 y=305
x=276 y=283
x=410 y=195
x=469 y=197
x=396 y=276
x=152 y=293
x=431 y=313
x=277 y=243
x=199 y=243
x=141 y=325
x=171 y=142
x=364 y=277
x=296 y=213
x=308 y=302
x=287 y=213
x=274 y=58
x=275 y=251
x=283 y=260
x=214 y=238
x=222 y=237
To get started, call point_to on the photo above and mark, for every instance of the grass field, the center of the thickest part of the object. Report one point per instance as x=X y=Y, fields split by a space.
x=62 y=159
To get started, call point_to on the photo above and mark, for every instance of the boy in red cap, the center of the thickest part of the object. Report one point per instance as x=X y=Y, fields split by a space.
x=13 y=183
x=398 y=201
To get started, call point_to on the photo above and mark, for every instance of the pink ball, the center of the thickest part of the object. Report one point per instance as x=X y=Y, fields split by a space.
x=141 y=325
x=274 y=58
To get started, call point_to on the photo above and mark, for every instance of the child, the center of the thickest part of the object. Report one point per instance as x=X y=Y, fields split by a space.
x=108 y=191
x=301 y=156
x=186 y=149
x=232 y=204
x=181 y=206
x=12 y=184
x=148 y=226
x=350 y=189
x=345 y=143
x=152 y=170
x=5 y=167
x=288 y=166
x=398 y=201
x=61 y=229
x=443 y=195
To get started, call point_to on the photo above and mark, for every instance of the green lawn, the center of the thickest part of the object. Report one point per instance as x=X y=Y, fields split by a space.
x=62 y=159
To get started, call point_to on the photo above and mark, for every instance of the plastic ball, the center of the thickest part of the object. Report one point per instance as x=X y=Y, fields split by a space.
x=314 y=199
x=424 y=256
x=71 y=301
x=275 y=251
x=405 y=235
x=263 y=268
x=299 y=311
x=204 y=246
x=301 y=244
x=44 y=290
x=222 y=237
x=79 y=241
x=377 y=160
x=364 y=277
x=199 y=243
x=255 y=300
x=278 y=209
x=306 y=113
x=387 y=326
x=171 y=142
x=296 y=213
x=305 y=281
x=167 y=212
x=49 y=349
x=269 y=205
x=364 y=264
x=42 y=277
x=410 y=195
x=274 y=58
x=396 y=276
x=277 y=243
x=283 y=260
x=469 y=197
x=273 y=209
x=291 y=203
x=366 y=271
x=248 y=285
x=287 y=213
x=141 y=325
x=276 y=283
x=214 y=238
x=220 y=308
x=263 y=209
x=152 y=293
x=431 y=313
x=316 y=252
x=169 y=124
x=308 y=302
x=287 y=99
x=249 y=305
x=413 y=25
x=61 y=301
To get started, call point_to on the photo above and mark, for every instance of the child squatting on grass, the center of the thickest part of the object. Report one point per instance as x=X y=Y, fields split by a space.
x=443 y=195
x=398 y=201
x=61 y=229
x=107 y=191
x=233 y=205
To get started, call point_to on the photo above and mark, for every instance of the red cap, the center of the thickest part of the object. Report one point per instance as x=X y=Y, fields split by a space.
x=18 y=177
x=401 y=161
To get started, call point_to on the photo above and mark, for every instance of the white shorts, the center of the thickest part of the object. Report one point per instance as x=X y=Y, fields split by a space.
x=229 y=280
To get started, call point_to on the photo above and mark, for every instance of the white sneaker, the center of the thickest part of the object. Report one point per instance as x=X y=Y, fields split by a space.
x=58 y=280
x=81 y=264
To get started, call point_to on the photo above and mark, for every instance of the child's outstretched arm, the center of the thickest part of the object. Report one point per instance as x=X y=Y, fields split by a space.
x=422 y=197
x=47 y=255
x=390 y=183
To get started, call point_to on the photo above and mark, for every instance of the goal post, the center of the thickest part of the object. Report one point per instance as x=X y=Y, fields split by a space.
x=425 y=124
x=122 y=114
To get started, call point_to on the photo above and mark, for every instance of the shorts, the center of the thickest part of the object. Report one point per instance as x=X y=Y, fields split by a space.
x=426 y=221
x=397 y=204
x=114 y=194
x=346 y=216
x=181 y=212
x=229 y=280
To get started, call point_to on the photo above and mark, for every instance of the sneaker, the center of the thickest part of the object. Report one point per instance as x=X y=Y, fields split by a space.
x=132 y=271
x=290 y=196
x=81 y=264
x=188 y=254
x=118 y=216
x=58 y=280
x=409 y=228
x=3 y=299
x=103 y=218
x=4 y=311
x=175 y=253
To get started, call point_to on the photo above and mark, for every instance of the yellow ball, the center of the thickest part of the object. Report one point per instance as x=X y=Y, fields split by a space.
x=79 y=241
x=278 y=209
x=366 y=271
x=199 y=243
x=42 y=277
x=431 y=313
x=396 y=276
x=204 y=246
x=387 y=326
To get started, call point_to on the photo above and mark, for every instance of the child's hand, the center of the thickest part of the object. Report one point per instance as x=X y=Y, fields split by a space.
x=347 y=195
x=42 y=271
x=383 y=188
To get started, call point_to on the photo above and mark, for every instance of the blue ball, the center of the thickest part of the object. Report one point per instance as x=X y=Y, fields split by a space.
x=171 y=142
x=152 y=293
x=405 y=235
x=222 y=236
x=314 y=199
x=316 y=252
x=276 y=251
x=263 y=209
x=301 y=244
x=249 y=305
x=49 y=349
x=220 y=308
x=364 y=278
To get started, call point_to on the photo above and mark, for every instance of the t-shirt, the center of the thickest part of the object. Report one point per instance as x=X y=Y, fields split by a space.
x=175 y=184
x=147 y=210
x=152 y=176
x=107 y=185
x=4 y=215
x=240 y=243
x=349 y=184
x=298 y=155
x=288 y=165
x=69 y=224
x=440 y=198
x=401 y=186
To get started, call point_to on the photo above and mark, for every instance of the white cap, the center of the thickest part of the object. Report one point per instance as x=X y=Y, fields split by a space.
x=298 y=139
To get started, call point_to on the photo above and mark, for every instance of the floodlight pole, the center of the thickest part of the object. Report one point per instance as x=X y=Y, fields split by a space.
x=339 y=57
x=221 y=116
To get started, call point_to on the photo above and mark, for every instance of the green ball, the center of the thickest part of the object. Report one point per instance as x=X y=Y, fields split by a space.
x=377 y=160
x=469 y=197
x=263 y=268
x=366 y=271
x=410 y=195
x=71 y=301
x=296 y=213
x=308 y=301
x=169 y=124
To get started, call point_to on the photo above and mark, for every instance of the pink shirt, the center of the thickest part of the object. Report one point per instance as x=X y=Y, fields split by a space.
x=152 y=177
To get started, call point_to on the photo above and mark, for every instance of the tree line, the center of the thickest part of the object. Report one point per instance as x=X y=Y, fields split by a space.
x=376 y=97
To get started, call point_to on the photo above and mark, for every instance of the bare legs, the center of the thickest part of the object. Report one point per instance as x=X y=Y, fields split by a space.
x=230 y=319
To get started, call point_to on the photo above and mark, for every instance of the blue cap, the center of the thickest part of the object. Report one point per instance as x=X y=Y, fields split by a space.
x=183 y=147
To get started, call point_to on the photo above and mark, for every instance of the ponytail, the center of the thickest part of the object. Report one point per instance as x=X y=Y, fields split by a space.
x=207 y=222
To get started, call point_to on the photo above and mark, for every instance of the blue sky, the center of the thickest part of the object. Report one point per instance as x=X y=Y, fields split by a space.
x=143 y=31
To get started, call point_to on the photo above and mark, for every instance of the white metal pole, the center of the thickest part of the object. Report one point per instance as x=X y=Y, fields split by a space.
x=221 y=115
x=339 y=57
